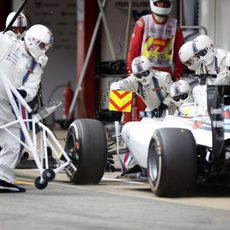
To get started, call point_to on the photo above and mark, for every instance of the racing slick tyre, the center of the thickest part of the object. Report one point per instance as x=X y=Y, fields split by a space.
x=172 y=162
x=86 y=142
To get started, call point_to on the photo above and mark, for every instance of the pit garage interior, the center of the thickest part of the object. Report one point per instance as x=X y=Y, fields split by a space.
x=91 y=40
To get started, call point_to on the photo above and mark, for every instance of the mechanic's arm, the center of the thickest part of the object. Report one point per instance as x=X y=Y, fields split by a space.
x=168 y=82
x=32 y=84
x=223 y=78
x=127 y=84
x=135 y=43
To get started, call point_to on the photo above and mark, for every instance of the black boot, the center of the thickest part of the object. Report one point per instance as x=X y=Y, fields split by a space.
x=6 y=187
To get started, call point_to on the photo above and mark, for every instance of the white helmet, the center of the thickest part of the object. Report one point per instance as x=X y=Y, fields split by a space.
x=187 y=56
x=38 y=39
x=161 y=10
x=20 y=21
x=142 y=70
x=223 y=78
x=227 y=62
x=181 y=92
x=204 y=48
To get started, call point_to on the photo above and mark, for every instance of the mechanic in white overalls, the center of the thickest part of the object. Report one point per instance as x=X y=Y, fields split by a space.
x=152 y=86
x=212 y=59
x=17 y=32
x=201 y=56
x=19 y=63
x=181 y=93
x=19 y=26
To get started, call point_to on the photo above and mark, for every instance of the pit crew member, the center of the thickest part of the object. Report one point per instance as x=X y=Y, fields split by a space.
x=152 y=86
x=181 y=93
x=19 y=63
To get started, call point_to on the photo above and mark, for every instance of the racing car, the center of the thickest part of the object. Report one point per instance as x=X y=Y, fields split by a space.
x=177 y=153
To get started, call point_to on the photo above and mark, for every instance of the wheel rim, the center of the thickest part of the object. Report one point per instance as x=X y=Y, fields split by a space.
x=73 y=147
x=153 y=163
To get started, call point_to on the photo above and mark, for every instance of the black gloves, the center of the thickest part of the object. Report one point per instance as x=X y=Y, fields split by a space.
x=156 y=112
x=21 y=92
x=160 y=109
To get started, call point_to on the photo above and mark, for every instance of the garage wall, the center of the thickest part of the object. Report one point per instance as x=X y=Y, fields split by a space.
x=214 y=15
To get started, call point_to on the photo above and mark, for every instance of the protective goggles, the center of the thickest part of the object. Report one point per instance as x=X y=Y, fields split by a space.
x=142 y=74
x=201 y=53
x=182 y=96
x=18 y=30
x=43 y=46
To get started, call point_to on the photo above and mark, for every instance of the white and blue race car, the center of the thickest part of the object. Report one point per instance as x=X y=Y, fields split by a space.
x=176 y=152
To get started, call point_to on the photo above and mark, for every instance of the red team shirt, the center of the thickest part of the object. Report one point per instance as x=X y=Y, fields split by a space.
x=157 y=42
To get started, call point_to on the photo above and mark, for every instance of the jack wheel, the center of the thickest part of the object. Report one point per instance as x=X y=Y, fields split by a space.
x=40 y=185
x=48 y=175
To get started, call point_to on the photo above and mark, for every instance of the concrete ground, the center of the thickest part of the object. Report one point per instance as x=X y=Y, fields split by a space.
x=115 y=203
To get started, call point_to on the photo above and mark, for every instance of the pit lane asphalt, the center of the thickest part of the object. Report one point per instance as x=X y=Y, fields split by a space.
x=112 y=204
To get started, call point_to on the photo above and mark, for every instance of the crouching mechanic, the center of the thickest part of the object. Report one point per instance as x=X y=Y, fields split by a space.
x=19 y=63
x=151 y=85
x=154 y=89
x=181 y=93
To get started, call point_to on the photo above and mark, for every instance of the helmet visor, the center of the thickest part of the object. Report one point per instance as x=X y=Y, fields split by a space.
x=189 y=62
x=163 y=3
x=43 y=46
x=18 y=30
x=182 y=96
x=201 y=53
x=142 y=74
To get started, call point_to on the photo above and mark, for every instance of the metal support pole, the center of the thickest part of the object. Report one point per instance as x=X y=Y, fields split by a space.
x=107 y=32
x=127 y=30
x=181 y=13
x=86 y=62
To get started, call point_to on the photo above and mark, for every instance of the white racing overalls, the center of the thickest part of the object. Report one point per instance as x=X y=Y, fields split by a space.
x=24 y=73
x=217 y=66
x=153 y=94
